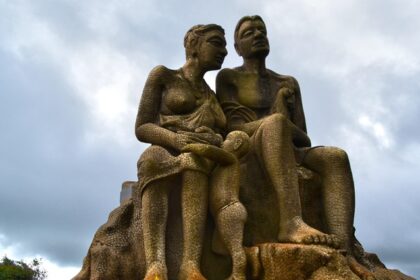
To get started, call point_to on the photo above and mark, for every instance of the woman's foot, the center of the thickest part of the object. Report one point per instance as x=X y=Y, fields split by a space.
x=190 y=271
x=156 y=271
x=298 y=231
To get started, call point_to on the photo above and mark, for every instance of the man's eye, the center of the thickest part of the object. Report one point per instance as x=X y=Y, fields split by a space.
x=263 y=31
x=247 y=33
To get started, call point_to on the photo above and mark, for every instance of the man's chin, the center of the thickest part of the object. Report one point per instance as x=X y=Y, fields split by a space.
x=260 y=53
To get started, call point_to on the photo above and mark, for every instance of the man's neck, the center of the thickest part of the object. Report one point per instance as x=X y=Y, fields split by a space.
x=255 y=65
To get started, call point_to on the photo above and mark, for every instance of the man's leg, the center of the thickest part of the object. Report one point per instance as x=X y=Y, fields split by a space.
x=333 y=166
x=338 y=199
x=279 y=162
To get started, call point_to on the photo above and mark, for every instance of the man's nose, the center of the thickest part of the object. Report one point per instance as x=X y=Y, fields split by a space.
x=258 y=33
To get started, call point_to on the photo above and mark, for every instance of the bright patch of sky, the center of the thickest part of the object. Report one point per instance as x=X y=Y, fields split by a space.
x=71 y=76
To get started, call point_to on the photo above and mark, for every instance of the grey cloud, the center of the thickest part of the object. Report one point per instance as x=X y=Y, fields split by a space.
x=56 y=190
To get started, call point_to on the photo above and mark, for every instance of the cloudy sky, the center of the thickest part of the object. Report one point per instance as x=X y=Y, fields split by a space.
x=71 y=75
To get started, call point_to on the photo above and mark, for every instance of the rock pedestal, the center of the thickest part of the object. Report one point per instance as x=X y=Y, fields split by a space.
x=117 y=252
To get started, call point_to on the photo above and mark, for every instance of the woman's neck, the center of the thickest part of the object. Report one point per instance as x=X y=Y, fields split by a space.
x=192 y=72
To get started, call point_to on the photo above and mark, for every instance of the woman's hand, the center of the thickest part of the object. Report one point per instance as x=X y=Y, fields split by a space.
x=184 y=138
x=209 y=135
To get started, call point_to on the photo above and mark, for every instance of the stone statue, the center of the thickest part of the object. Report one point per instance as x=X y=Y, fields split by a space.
x=268 y=106
x=227 y=210
x=178 y=108
x=230 y=187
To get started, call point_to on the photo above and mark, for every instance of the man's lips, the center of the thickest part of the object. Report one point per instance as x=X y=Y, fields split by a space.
x=259 y=43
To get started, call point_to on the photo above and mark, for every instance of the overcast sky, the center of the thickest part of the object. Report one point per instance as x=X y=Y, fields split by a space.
x=71 y=76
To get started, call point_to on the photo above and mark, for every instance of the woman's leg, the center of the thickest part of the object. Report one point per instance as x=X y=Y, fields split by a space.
x=154 y=213
x=194 y=214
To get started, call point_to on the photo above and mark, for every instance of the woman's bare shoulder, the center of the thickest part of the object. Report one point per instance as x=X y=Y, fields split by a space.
x=163 y=73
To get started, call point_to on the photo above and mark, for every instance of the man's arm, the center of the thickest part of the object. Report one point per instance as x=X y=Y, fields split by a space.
x=300 y=137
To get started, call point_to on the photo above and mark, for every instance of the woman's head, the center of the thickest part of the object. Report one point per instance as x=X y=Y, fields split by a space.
x=206 y=43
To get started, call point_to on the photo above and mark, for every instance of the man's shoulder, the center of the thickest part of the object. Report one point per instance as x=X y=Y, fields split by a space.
x=227 y=73
x=281 y=77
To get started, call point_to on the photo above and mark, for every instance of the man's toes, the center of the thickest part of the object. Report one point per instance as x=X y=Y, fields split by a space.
x=336 y=242
x=323 y=239
x=308 y=239
x=316 y=239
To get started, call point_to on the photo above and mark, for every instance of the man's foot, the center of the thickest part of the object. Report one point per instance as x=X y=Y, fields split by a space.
x=359 y=269
x=190 y=271
x=298 y=231
x=156 y=271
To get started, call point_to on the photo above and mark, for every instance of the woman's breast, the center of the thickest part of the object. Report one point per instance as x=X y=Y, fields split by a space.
x=179 y=101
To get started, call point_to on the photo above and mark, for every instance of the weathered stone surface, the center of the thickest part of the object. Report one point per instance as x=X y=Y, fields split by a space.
x=231 y=187
x=117 y=253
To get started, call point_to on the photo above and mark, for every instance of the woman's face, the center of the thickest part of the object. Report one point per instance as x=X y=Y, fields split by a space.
x=212 y=50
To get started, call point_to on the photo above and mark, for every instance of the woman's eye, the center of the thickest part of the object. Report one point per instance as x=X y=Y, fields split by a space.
x=216 y=43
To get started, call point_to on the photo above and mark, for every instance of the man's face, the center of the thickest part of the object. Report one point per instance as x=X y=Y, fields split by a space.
x=252 y=39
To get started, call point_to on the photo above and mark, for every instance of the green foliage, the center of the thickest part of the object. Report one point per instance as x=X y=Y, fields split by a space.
x=19 y=270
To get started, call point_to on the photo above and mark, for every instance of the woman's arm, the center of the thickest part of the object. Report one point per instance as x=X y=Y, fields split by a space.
x=211 y=152
x=147 y=128
x=147 y=125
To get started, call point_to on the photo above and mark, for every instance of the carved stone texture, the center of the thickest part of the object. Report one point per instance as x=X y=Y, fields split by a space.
x=117 y=253
x=259 y=204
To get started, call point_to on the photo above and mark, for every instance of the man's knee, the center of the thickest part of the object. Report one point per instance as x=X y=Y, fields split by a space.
x=322 y=159
x=335 y=154
x=275 y=120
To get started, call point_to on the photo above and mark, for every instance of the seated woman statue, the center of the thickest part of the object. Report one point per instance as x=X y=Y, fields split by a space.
x=178 y=108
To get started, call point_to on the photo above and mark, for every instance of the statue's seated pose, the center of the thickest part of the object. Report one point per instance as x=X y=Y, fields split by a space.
x=227 y=210
x=178 y=108
x=268 y=107
x=264 y=185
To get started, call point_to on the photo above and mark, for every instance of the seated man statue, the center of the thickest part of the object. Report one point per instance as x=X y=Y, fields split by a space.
x=268 y=107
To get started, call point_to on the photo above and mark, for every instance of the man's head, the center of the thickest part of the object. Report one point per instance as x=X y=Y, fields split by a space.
x=237 y=142
x=207 y=44
x=251 y=37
